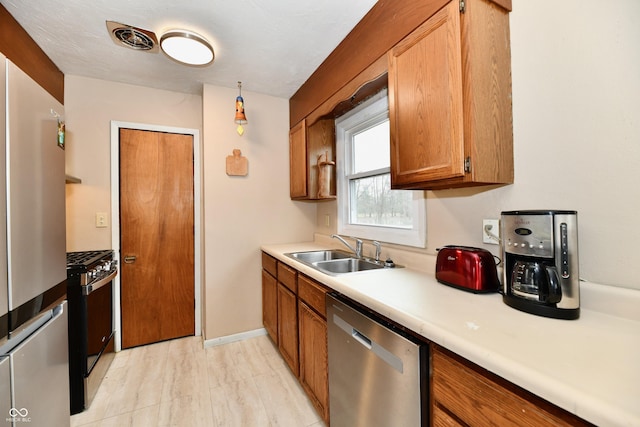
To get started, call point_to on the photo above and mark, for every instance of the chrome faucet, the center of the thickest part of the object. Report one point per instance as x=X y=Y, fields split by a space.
x=358 y=248
x=378 y=249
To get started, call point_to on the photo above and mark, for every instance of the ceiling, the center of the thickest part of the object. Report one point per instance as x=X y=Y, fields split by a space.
x=272 y=46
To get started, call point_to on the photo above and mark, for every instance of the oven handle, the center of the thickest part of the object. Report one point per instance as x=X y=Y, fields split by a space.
x=87 y=289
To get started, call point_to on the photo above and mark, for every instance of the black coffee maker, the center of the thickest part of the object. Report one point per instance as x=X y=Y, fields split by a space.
x=540 y=253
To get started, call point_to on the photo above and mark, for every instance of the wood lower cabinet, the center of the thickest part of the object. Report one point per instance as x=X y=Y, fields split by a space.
x=450 y=107
x=312 y=324
x=294 y=315
x=288 y=316
x=270 y=305
x=280 y=308
x=463 y=394
x=270 y=296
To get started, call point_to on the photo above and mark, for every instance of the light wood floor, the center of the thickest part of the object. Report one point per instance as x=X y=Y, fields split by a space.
x=178 y=383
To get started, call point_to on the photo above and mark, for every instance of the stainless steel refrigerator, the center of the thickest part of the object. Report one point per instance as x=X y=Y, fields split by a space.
x=34 y=372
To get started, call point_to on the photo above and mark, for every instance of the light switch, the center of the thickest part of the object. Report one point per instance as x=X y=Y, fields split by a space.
x=102 y=219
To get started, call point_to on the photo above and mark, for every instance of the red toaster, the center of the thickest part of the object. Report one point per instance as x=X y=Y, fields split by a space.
x=467 y=268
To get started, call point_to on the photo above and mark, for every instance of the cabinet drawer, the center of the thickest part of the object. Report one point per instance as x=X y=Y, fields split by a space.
x=477 y=397
x=287 y=276
x=440 y=418
x=313 y=293
x=269 y=264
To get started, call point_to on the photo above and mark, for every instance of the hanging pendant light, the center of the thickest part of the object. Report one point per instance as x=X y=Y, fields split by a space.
x=240 y=119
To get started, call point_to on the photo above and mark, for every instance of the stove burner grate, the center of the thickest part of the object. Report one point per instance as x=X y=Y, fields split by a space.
x=86 y=258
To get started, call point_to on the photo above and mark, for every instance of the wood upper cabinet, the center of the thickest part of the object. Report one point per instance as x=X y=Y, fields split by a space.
x=312 y=160
x=312 y=324
x=464 y=394
x=298 y=187
x=450 y=100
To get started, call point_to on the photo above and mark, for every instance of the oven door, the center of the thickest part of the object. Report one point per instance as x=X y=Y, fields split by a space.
x=99 y=300
x=100 y=343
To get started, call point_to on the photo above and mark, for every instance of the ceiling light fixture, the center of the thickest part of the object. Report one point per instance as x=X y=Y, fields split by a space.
x=187 y=47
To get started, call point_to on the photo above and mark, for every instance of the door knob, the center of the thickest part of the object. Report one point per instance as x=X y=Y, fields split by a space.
x=129 y=259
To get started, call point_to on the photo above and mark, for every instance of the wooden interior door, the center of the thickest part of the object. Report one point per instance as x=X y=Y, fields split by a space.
x=156 y=236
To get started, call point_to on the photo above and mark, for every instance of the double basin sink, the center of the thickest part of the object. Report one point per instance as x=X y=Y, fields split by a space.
x=334 y=261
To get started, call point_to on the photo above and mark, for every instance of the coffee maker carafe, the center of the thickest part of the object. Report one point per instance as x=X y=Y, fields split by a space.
x=540 y=253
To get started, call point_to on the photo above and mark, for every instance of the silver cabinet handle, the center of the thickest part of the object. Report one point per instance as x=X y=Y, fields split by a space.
x=130 y=259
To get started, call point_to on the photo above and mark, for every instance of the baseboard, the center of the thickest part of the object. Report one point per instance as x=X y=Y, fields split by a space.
x=235 y=337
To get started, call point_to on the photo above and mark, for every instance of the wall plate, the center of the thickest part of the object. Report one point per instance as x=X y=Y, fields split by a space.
x=491 y=231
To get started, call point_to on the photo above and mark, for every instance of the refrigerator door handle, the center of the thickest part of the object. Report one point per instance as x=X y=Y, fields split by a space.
x=26 y=329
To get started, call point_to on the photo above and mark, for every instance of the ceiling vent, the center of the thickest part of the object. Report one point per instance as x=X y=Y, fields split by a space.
x=132 y=37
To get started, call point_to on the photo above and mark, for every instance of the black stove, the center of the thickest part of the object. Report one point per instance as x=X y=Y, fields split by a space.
x=90 y=277
x=90 y=267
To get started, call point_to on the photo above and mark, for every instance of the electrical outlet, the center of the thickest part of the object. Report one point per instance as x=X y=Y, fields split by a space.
x=491 y=231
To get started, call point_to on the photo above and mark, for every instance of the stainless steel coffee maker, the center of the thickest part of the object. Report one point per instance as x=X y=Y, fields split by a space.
x=540 y=254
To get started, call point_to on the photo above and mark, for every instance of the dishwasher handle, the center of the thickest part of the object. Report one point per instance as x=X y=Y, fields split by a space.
x=380 y=351
x=361 y=338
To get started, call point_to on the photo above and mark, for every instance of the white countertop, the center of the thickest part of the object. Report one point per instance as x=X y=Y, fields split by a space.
x=589 y=367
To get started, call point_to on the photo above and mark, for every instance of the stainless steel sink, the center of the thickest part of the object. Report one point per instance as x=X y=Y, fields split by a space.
x=335 y=261
x=347 y=265
x=315 y=256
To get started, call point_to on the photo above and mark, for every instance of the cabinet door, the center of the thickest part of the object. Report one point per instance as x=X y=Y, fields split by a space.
x=298 y=161
x=425 y=102
x=288 y=327
x=313 y=358
x=270 y=305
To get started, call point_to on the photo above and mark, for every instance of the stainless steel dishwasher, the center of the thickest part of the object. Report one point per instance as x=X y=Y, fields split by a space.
x=378 y=375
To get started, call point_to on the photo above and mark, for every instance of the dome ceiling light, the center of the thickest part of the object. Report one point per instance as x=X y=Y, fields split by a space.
x=187 y=47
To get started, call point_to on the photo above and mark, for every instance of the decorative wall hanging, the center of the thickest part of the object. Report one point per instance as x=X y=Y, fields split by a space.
x=61 y=128
x=237 y=164
x=240 y=119
x=324 y=175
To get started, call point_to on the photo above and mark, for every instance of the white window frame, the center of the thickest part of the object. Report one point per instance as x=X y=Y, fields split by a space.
x=362 y=117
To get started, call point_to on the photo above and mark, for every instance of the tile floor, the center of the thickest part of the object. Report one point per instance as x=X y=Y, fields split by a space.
x=178 y=383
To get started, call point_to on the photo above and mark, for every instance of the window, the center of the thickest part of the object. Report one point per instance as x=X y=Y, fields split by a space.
x=367 y=207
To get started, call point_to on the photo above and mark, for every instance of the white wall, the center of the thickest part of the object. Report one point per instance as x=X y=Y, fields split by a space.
x=576 y=112
x=242 y=213
x=90 y=106
x=576 y=101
